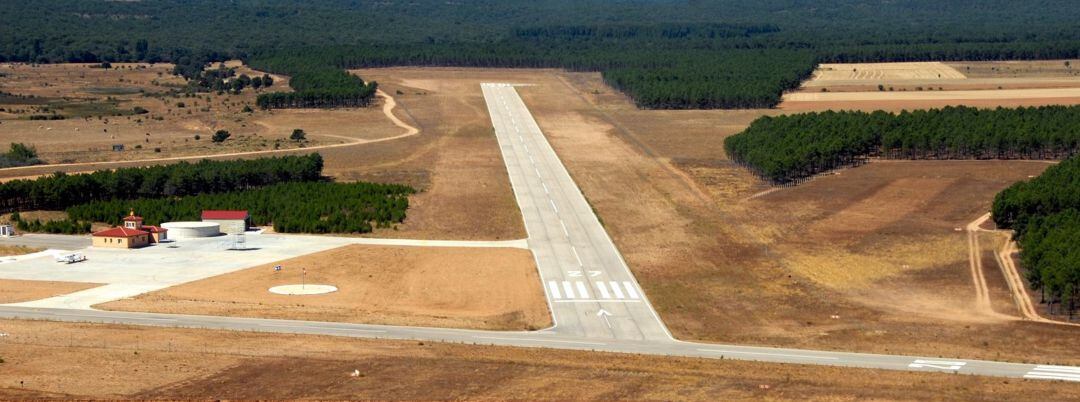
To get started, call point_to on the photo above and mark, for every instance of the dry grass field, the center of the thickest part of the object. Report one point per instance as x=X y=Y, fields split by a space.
x=898 y=86
x=17 y=291
x=453 y=160
x=99 y=108
x=876 y=247
x=497 y=289
x=9 y=250
x=122 y=362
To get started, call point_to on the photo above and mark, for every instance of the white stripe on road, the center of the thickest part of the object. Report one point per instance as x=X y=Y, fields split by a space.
x=554 y=287
x=553 y=205
x=568 y=289
x=545 y=186
x=630 y=290
x=603 y=290
x=738 y=352
x=582 y=291
x=539 y=340
x=1063 y=369
x=1062 y=377
x=564 y=231
x=1047 y=372
x=576 y=256
x=618 y=291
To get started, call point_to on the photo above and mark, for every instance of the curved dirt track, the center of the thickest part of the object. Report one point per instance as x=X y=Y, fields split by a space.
x=1012 y=276
x=388 y=107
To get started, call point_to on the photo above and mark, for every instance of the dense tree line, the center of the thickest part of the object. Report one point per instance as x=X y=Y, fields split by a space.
x=664 y=53
x=61 y=190
x=309 y=207
x=788 y=149
x=1045 y=214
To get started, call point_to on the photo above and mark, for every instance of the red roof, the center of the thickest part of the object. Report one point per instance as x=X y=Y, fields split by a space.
x=119 y=232
x=133 y=218
x=154 y=229
x=225 y=215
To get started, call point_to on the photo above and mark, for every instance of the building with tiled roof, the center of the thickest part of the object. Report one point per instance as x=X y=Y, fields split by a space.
x=132 y=235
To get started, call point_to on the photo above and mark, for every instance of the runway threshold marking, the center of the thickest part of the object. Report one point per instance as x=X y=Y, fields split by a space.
x=739 y=352
x=579 y=290
x=1048 y=372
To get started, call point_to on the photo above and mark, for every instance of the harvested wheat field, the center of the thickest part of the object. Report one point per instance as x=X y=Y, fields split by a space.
x=900 y=86
x=18 y=291
x=125 y=362
x=495 y=289
x=886 y=71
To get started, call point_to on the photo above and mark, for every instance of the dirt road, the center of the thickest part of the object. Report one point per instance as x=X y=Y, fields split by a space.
x=388 y=107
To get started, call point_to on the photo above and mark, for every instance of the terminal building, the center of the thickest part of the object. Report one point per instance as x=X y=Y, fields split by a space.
x=133 y=234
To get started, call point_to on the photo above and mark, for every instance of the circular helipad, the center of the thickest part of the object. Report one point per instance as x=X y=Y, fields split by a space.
x=299 y=290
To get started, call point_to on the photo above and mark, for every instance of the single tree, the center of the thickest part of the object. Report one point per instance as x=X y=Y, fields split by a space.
x=221 y=136
x=298 y=135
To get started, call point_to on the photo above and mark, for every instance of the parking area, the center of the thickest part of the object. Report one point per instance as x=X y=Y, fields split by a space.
x=127 y=273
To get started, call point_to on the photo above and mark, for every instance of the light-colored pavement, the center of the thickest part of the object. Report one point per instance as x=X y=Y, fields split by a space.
x=550 y=202
x=590 y=289
x=128 y=273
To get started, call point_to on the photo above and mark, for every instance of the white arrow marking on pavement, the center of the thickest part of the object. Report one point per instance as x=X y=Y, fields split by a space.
x=604 y=314
x=938 y=364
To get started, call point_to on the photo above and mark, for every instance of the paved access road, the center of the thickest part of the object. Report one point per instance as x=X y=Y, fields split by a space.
x=562 y=229
x=550 y=339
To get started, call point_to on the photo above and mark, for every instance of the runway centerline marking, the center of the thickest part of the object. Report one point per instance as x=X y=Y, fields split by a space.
x=739 y=352
x=540 y=340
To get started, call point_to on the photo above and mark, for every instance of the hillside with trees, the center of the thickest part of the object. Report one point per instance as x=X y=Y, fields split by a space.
x=666 y=54
x=790 y=149
x=1045 y=215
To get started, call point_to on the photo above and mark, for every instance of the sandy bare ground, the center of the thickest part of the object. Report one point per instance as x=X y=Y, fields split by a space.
x=1004 y=256
x=496 y=289
x=17 y=291
x=123 y=362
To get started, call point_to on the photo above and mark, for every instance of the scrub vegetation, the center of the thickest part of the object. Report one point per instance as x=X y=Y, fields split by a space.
x=665 y=54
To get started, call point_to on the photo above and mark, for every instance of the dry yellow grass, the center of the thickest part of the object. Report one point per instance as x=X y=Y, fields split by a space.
x=18 y=291
x=433 y=287
x=121 y=362
x=886 y=71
